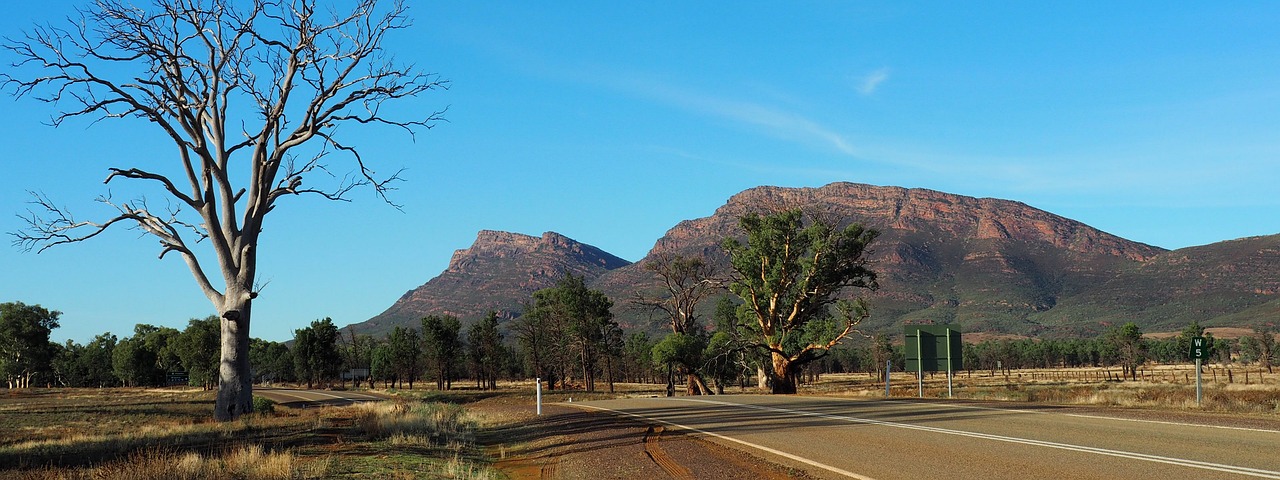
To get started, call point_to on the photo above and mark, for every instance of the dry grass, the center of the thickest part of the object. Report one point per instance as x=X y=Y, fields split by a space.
x=149 y=435
x=1158 y=387
x=250 y=462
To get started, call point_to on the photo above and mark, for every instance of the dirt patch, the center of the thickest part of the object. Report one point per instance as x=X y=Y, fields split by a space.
x=568 y=443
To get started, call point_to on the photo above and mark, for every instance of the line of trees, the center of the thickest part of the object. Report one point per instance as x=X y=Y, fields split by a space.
x=778 y=314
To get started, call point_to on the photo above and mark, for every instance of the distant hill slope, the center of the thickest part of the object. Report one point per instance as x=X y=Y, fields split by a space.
x=498 y=272
x=1231 y=283
x=991 y=265
x=986 y=263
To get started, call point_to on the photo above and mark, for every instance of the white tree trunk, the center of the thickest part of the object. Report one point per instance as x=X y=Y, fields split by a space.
x=235 y=379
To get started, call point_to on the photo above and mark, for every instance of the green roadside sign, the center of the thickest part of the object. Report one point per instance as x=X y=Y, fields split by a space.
x=1199 y=348
x=933 y=348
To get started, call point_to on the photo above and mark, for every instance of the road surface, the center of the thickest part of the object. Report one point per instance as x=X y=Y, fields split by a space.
x=294 y=398
x=891 y=439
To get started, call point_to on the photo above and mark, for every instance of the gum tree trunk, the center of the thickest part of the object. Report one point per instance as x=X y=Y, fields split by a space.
x=235 y=379
x=783 y=375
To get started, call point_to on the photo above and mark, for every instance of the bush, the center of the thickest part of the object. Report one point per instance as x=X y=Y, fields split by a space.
x=263 y=405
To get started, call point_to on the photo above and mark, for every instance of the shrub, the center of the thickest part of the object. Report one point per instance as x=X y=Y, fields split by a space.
x=263 y=405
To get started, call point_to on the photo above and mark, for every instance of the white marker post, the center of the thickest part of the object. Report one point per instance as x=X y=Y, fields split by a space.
x=538 y=393
x=888 y=364
x=949 y=362
x=1198 y=392
x=919 y=365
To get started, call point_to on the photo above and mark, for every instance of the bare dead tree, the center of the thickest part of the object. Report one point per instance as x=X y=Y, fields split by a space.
x=687 y=282
x=252 y=95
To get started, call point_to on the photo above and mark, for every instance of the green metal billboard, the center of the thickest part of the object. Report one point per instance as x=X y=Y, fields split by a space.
x=933 y=348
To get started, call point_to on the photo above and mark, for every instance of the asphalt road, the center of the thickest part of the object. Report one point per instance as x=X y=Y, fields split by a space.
x=294 y=398
x=892 y=439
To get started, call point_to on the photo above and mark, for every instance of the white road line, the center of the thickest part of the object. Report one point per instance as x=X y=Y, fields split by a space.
x=1080 y=415
x=1255 y=472
x=780 y=453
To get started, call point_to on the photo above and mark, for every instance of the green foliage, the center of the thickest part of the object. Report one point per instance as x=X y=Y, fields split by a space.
x=569 y=326
x=199 y=349
x=271 y=361
x=403 y=355
x=25 y=351
x=637 y=358
x=87 y=365
x=263 y=405
x=485 y=351
x=144 y=358
x=315 y=353
x=442 y=348
x=680 y=349
x=788 y=274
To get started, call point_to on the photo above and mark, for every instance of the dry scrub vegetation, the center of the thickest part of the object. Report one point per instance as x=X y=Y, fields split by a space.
x=1167 y=387
x=166 y=434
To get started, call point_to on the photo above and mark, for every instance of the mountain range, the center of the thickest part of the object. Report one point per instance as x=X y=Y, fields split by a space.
x=990 y=265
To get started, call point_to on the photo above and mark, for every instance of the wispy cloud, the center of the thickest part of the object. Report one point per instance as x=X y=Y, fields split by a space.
x=868 y=84
x=776 y=122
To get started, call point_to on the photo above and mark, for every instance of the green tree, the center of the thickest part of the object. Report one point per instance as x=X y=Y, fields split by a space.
x=485 y=351
x=405 y=354
x=789 y=275
x=1131 y=351
x=25 y=351
x=1265 y=341
x=442 y=347
x=685 y=283
x=543 y=341
x=357 y=356
x=255 y=96
x=87 y=365
x=271 y=361
x=1183 y=340
x=382 y=366
x=315 y=355
x=135 y=362
x=199 y=349
x=584 y=317
x=676 y=350
x=637 y=358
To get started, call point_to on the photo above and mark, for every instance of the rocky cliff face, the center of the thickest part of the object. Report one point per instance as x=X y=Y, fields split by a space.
x=913 y=211
x=991 y=264
x=496 y=273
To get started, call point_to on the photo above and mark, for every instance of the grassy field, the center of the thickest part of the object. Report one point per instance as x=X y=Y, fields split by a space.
x=164 y=434
x=168 y=433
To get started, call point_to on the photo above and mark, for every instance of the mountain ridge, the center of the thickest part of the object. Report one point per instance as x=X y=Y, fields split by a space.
x=992 y=265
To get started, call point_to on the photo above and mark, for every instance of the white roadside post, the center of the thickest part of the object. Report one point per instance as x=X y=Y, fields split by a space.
x=919 y=365
x=538 y=393
x=888 y=364
x=949 y=363
x=1197 y=383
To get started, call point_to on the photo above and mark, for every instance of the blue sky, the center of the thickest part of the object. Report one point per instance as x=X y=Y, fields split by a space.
x=610 y=122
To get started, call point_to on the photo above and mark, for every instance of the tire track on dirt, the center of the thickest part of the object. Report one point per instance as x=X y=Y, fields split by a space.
x=660 y=457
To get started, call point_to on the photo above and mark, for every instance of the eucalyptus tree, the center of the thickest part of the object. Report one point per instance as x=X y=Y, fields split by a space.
x=403 y=355
x=25 y=351
x=442 y=347
x=685 y=282
x=789 y=275
x=198 y=349
x=254 y=96
x=484 y=349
